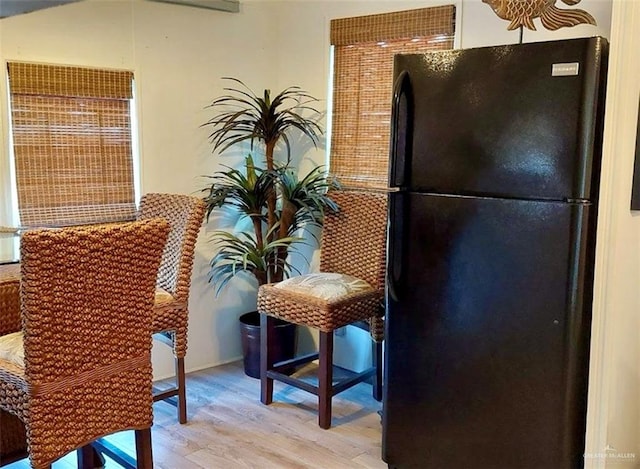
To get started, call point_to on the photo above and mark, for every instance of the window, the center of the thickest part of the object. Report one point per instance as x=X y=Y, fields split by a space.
x=363 y=50
x=72 y=146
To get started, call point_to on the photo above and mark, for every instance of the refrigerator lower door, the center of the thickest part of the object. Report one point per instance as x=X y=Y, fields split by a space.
x=489 y=306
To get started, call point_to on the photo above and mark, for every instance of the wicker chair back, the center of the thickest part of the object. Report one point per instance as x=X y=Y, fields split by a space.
x=86 y=300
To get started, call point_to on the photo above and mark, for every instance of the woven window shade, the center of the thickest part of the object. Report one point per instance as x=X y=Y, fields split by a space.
x=363 y=73
x=72 y=144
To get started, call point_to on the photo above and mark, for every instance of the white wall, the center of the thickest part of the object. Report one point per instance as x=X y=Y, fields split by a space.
x=614 y=406
x=178 y=55
x=181 y=54
x=303 y=40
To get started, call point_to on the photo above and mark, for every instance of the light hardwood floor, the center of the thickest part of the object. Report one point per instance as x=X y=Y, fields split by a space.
x=229 y=428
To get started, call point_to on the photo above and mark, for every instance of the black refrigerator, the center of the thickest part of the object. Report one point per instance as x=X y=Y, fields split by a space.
x=495 y=154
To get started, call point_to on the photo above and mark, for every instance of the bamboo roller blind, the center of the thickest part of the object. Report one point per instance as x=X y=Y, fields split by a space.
x=364 y=47
x=72 y=144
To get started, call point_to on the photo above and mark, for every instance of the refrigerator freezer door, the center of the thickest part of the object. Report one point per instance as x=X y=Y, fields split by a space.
x=518 y=121
x=487 y=333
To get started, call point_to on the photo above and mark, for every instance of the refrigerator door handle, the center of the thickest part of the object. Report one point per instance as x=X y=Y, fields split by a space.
x=394 y=245
x=401 y=126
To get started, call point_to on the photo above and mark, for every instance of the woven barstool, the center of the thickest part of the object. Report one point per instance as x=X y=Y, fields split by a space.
x=80 y=367
x=348 y=290
x=13 y=439
x=171 y=312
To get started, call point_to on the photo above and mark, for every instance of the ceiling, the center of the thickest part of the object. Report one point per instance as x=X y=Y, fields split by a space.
x=18 y=7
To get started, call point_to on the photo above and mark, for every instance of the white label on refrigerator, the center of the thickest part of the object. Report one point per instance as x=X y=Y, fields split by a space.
x=565 y=70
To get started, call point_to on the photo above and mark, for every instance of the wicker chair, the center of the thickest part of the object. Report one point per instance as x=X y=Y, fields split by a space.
x=13 y=440
x=353 y=245
x=185 y=214
x=87 y=304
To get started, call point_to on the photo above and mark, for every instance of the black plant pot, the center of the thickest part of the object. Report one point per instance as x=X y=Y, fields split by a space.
x=283 y=347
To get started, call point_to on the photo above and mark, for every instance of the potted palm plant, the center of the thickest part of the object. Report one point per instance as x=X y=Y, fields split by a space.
x=279 y=204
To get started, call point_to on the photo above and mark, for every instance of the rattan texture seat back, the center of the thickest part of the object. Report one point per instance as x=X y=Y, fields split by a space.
x=353 y=244
x=171 y=313
x=353 y=240
x=86 y=302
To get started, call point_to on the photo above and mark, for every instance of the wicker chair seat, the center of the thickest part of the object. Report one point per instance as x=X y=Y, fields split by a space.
x=325 y=315
x=10 y=320
x=12 y=348
x=170 y=320
x=376 y=323
x=164 y=300
x=13 y=388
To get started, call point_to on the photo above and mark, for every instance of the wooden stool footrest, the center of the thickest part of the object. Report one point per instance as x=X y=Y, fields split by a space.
x=336 y=388
x=103 y=446
x=166 y=395
x=296 y=361
x=295 y=382
x=352 y=381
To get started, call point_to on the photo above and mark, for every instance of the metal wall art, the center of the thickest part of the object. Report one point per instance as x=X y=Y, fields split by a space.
x=521 y=13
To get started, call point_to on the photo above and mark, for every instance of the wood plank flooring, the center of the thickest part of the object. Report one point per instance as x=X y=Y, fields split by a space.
x=229 y=428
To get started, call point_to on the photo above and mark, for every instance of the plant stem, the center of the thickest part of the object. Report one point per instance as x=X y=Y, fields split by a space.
x=261 y=276
x=286 y=218
x=257 y=227
x=271 y=198
x=271 y=206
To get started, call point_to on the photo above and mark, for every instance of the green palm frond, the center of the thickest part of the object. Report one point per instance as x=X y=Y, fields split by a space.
x=244 y=116
x=241 y=253
x=248 y=193
x=272 y=196
x=307 y=196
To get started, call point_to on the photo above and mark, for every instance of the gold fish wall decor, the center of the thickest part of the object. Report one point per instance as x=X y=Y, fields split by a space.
x=522 y=13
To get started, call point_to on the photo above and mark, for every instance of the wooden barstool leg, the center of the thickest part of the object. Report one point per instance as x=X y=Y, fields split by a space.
x=377 y=379
x=89 y=458
x=325 y=379
x=144 y=456
x=182 y=392
x=267 y=331
x=85 y=457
